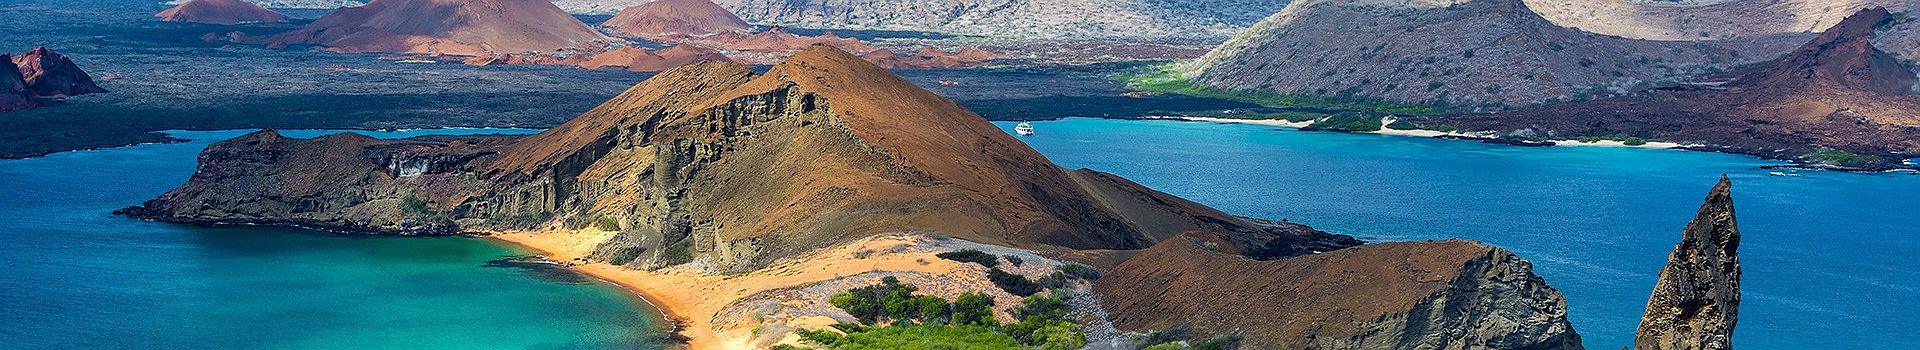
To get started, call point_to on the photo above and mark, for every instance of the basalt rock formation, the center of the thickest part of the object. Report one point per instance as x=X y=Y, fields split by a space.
x=1448 y=51
x=49 y=73
x=676 y=18
x=1697 y=301
x=14 y=95
x=454 y=27
x=1836 y=92
x=714 y=164
x=1406 y=295
x=219 y=12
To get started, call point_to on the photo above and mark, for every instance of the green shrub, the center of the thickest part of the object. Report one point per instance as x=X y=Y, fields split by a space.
x=788 y=347
x=888 y=299
x=927 y=337
x=1634 y=141
x=1013 y=283
x=973 y=309
x=1058 y=336
x=607 y=223
x=972 y=256
x=1220 y=342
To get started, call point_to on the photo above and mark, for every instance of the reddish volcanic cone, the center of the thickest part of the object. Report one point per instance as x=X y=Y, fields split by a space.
x=669 y=18
x=219 y=12
x=454 y=27
x=49 y=73
x=641 y=60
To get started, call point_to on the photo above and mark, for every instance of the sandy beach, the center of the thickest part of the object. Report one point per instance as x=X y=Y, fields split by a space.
x=728 y=311
x=1420 y=133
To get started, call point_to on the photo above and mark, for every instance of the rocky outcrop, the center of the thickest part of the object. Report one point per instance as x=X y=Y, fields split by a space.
x=455 y=27
x=14 y=95
x=928 y=57
x=219 y=12
x=1452 y=51
x=677 y=18
x=49 y=73
x=713 y=164
x=1697 y=301
x=1837 y=92
x=1406 y=295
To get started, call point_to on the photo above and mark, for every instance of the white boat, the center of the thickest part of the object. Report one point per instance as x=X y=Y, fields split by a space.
x=1023 y=129
x=1776 y=173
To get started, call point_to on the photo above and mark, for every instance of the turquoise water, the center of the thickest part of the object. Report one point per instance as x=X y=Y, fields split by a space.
x=1829 y=257
x=78 y=278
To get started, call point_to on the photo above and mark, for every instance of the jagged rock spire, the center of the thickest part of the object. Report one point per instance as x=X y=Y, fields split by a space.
x=1697 y=300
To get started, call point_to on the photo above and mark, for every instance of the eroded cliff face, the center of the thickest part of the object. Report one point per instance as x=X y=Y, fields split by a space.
x=714 y=164
x=1405 y=295
x=14 y=95
x=1697 y=301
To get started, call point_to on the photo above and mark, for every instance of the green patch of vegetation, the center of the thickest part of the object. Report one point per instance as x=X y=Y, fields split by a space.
x=971 y=256
x=1347 y=121
x=412 y=204
x=677 y=253
x=1180 y=338
x=1623 y=138
x=607 y=223
x=1847 y=159
x=1013 y=283
x=1165 y=78
x=929 y=322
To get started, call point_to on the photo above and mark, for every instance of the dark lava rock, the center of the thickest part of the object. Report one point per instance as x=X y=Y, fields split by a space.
x=1698 y=298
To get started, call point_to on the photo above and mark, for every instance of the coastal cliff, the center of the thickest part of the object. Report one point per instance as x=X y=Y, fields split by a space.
x=715 y=164
x=1405 y=295
x=1697 y=301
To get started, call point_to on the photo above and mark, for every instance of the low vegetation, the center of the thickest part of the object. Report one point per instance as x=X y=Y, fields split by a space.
x=971 y=256
x=1165 y=78
x=891 y=317
x=1847 y=159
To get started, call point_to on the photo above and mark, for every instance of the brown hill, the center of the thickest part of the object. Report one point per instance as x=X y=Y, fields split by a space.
x=671 y=18
x=1408 y=295
x=777 y=40
x=49 y=73
x=1837 y=92
x=1697 y=301
x=641 y=60
x=1456 y=51
x=219 y=12
x=455 y=27
x=714 y=163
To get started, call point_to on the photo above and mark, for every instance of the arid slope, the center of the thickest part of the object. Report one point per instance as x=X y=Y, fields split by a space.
x=458 y=27
x=1455 y=51
x=219 y=12
x=714 y=164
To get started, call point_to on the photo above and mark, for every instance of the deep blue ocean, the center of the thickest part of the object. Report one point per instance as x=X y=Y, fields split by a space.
x=76 y=277
x=1829 y=258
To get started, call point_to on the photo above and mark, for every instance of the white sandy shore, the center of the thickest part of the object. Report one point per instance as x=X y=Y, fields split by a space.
x=1416 y=133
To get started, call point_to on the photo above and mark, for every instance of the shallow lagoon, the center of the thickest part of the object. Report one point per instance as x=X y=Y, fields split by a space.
x=78 y=277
